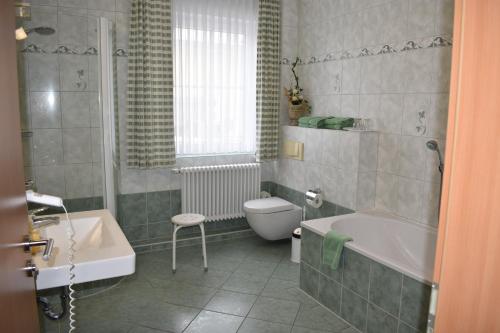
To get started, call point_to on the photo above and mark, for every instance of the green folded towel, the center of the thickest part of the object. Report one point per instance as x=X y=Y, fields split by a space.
x=333 y=244
x=337 y=120
x=334 y=127
x=305 y=119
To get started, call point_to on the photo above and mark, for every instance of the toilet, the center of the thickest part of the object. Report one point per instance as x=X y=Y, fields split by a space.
x=272 y=218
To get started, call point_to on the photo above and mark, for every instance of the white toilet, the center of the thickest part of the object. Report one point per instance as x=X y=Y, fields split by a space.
x=272 y=218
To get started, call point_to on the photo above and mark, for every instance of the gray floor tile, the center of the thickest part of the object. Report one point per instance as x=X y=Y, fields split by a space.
x=262 y=268
x=231 y=303
x=213 y=322
x=298 y=329
x=318 y=318
x=185 y=294
x=142 y=329
x=288 y=290
x=287 y=271
x=259 y=326
x=245 y=283
x=275 y=310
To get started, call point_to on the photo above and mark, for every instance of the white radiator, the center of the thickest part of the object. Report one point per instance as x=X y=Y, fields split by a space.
x=219 y=191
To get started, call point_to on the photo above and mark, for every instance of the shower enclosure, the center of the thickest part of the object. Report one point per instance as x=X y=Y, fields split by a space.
x=68 y=114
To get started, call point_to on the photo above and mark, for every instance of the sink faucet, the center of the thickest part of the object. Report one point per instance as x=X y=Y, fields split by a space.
x=41 y=221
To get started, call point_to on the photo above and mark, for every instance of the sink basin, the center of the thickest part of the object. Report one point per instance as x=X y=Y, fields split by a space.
x=101 y=250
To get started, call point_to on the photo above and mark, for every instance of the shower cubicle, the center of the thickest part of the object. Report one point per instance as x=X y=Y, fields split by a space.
x=68 y=115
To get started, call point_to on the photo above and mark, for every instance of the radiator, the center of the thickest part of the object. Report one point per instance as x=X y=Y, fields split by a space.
x=219 y=191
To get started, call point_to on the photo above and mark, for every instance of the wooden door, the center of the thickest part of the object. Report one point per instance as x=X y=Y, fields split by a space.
x=468 y=255
x=18 y=310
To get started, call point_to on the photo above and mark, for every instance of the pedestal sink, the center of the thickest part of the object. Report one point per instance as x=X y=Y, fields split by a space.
x=101 y=250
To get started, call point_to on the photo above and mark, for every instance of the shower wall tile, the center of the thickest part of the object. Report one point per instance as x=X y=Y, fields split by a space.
x=123 y=6
x=47 y=147
x=97 y=143
x=75 y=109
x=43 y=72
x=45 y=110
x=101 y=4
x=77 y=145
x=97 y=178
x=78 y=178
x=27 y=143
x=70 y=29
x=74 y=72
x=50 y=179
x=73 y=3
x=24 y=109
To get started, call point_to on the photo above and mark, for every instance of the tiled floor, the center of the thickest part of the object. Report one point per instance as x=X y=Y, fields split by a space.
x=251 y=287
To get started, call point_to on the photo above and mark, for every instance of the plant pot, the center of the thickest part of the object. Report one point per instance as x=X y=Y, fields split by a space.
x=297 y=111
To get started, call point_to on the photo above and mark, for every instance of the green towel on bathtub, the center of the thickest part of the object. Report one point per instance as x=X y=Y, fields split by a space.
x=333 y=244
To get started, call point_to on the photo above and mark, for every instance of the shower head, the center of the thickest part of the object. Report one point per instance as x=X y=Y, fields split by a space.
x=45 y=31
x=433 y=145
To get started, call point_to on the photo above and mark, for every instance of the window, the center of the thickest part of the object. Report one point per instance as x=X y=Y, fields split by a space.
x=215 y=47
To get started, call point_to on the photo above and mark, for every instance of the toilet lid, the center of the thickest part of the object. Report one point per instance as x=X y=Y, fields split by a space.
x=267 y=205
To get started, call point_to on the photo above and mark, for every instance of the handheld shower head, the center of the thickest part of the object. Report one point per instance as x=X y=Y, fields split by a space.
x=433 y=145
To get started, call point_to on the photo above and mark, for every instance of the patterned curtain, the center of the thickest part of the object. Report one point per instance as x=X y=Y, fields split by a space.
x=150 y=127
x=268 y=79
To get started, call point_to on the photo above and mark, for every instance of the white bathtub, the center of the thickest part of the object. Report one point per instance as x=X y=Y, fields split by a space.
x=389 y=240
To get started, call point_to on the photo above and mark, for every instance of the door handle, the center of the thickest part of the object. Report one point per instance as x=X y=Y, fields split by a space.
x=48 y=243
x=30 y=269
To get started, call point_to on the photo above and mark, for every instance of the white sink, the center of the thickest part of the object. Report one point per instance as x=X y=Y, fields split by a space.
x=101 y=250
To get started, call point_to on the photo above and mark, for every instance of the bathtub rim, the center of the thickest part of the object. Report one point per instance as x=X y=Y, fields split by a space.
x=311 y=226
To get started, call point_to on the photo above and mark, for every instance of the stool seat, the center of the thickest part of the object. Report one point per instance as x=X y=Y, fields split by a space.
x=187 y=220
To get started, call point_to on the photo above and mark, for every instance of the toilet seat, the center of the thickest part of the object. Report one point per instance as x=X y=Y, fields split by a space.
x=267 y=205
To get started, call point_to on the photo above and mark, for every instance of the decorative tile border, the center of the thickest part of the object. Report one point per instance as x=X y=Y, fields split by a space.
x=63 y=49
x=410 y=45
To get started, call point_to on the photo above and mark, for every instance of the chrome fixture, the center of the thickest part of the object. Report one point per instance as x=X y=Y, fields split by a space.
x=33 y=212
x=47 y=253
x=43 y=221
x=433 y=145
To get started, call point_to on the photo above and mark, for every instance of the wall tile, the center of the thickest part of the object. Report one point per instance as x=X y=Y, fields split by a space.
x=70 y=28
x=417 y=113
x=97 y=143
x=45 y=110
x=366 y=190
x=47 y=147
x=385 y=288
x=78 y=179
x=412 y=157
x=123 y=5
x=309 y=280
x=370 y=75
x=390 y=114
x=421 y=18
x=43 y=72
x=403 y=328
x=77 y=145
x=311 y=248
x=349 y=106
x=42 y=16
x=132 y=209
x=329 y=293
x=74 y=72
x=410 y=197
x=356 y=272
x=158 y=206
x=354 y=309
x=379 y=321
x=415 y=303
x=50 y=180
x=444 y=17
x=353 y=30
x=351 y=76
x=388 y=153
x=387 y=192
x=75 y=109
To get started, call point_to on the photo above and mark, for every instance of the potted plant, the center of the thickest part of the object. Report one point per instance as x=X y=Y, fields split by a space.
x=297 y=104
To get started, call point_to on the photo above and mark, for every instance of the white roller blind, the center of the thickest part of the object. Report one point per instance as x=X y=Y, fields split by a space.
x=215 y=47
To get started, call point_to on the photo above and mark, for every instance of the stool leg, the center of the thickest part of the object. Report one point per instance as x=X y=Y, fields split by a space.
x=174 y=239
x=204 y=246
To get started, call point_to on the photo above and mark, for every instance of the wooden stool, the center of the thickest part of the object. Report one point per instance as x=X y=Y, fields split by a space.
x=188 y=220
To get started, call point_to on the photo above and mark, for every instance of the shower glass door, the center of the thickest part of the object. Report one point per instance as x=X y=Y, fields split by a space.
x=67 y=107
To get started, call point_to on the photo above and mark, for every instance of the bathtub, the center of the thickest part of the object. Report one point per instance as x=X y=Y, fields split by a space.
x=403 y=246
x=385 y=272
